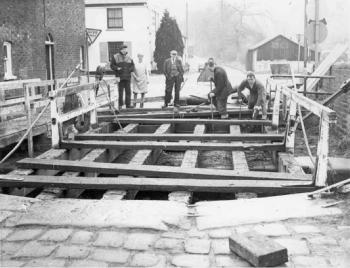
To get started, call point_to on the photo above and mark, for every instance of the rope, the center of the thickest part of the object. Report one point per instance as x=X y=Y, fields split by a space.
x=37 y=118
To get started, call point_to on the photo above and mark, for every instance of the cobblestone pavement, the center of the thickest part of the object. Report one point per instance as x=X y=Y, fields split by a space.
x=322 y=241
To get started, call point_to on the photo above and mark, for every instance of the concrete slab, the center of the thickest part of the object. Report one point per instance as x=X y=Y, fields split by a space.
x=105 y=213
x=15 y=203
x=248 y=211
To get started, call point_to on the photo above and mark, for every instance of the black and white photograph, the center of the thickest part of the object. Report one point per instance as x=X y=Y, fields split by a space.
x=175 y=133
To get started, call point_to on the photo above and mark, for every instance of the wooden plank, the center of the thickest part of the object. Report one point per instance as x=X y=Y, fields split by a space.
x=155 y=171
x=309 y=104
x=190 y=160
x=94 y=155
x=191 y=156
x=178 y=137
x=276 y=109
x=171 y=146
x=239 y=161
x=343 y=89
x=193 y=121
x=98 y=155
x=323 y=68
x=140 y=158
x=65 y=117
x=154 y=184
x=258 y=250
x=322 y=153
x=110 y=118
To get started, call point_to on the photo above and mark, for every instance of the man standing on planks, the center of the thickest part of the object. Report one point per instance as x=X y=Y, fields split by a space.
x=123 y=66
x=222 y=90
x=255 y=93
x=173 y=72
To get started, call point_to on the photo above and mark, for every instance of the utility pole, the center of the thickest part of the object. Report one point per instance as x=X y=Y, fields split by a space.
x=187 y=39
x=305 y=31
x=317 y=31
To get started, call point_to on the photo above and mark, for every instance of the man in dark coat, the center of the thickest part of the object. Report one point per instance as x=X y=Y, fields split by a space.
x=123 y=66
x=173 y=72
x=256 y=96
x=222 y=90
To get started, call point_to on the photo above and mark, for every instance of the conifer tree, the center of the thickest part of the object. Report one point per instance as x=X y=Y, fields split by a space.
x=168 y=37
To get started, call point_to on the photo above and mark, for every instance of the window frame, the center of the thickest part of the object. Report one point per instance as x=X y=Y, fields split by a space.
x=115 y=18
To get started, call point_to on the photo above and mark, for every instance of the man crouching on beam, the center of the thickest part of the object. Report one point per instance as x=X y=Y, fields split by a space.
x=254 y=92
x=223 y=88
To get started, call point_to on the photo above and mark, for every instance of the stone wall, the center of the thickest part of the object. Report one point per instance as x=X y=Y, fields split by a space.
x=25 y=24
x=341 y=105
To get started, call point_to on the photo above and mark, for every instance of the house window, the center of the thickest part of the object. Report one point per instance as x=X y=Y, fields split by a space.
x=115 y=18
x=113 y=48
x=8 y=61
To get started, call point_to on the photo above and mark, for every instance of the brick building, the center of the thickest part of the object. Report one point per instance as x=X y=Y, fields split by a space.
x=40 y=38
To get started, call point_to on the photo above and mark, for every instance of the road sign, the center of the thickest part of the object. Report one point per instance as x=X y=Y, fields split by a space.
x=310 y=33
x=92 y=35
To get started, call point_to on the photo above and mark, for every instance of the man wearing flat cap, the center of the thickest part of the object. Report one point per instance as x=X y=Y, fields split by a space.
x=173 y=72
x=254 y=91
x=123 y=66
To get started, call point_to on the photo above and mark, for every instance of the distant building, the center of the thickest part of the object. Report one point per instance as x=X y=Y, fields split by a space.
x=40 y=38
x=130 y=22
x=276 y=49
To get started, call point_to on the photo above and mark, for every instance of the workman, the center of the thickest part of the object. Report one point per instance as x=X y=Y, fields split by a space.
x=254 y=92
x=223 y=88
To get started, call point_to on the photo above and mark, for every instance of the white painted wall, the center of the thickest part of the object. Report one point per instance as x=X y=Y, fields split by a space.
x=138 y=30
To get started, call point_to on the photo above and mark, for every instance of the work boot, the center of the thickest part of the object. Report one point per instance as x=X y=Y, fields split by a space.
x=165 y=106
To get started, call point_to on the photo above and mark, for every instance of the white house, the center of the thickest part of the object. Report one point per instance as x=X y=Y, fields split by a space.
x=130 y=22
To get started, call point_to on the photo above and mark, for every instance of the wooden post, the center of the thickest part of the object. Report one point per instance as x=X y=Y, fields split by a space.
x=276 y=109
x=26 y=90
x=305 y=86
x=284 y=105
x=322 y=152
x=55 y=132
x=93 y=113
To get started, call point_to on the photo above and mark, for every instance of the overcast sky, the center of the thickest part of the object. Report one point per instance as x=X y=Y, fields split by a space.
x=284 y=16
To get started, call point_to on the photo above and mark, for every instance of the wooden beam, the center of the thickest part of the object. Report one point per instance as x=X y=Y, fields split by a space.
x=93 y=155
x=189 y=160
x=193 y=121
x=179 y=137
x=110 y=118
x=171 y=146
x=239 y=161
x=276 y=109
x=311 y=105
x=258 y=250
x=322 y=153
x=155 y=184
x=155 y=171
x=143 y=157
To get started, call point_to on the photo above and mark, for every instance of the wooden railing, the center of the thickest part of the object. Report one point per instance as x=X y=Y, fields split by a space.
x=87 y=96
x=290 y=100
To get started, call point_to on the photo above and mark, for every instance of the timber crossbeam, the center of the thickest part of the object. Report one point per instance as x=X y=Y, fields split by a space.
x=178 y=137
x=192 y=121
x=171 y=146
x=156 y=171
x=156 y=184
